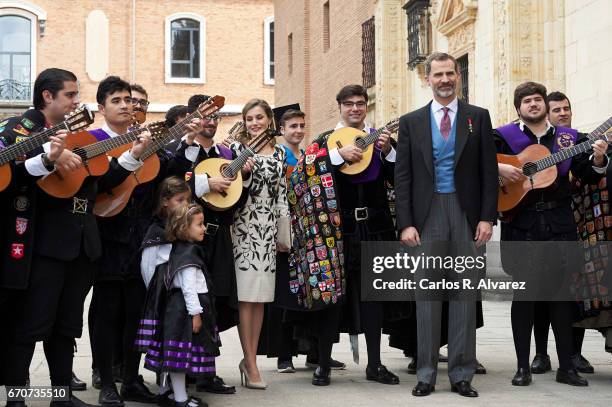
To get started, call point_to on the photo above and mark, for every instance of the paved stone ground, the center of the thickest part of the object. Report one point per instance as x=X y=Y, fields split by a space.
x=350 y=388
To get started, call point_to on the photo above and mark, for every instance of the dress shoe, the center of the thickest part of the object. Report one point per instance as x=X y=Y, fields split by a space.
x=285 y=366
x=214 y=385
x=246 y=381
x=72 y=402
x=581 y=364
x=522 y=377
x=380 y=374
x=77 y=384
x=464 y=389
x=423 y=389
x=540 y=364
x=137 y=391
x=110 y=397
x=96 y=381
x=321 y=376
x=333 y=364
x=412 y=366
x=571 y=377
x=480 y=369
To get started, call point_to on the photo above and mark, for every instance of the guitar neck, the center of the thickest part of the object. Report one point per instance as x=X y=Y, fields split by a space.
x=579 y=148
x=249 y=151
x=371 y=138
x=31 y=143
x=175 y=132
x=101 y=147
x=236 y=165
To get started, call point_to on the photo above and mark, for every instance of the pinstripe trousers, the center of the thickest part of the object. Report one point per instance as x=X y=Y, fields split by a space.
x=447 y=222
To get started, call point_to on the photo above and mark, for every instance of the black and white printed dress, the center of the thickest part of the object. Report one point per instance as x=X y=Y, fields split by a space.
x=254 y=228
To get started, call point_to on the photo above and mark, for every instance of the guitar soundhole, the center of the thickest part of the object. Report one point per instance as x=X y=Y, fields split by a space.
x=529 y=169
x=224 y=172
x=360 y=143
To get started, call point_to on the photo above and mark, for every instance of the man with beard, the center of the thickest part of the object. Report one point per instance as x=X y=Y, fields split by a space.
x=559 y=114
x=544 y=215
x=446 y=192
x=196 y=147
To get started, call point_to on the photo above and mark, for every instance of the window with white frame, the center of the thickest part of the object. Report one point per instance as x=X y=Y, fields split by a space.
x=269 y=51
x=18 y=32
x=185 y=48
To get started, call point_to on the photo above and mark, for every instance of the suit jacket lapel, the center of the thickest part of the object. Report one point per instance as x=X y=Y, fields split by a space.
x=461 y=134
x=426 y=142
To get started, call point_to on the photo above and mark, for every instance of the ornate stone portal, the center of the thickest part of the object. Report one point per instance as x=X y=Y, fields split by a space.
x=455 y=20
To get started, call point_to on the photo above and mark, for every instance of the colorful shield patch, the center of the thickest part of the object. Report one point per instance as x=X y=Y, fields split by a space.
x=327 y=180
x=321 y=252
x=17 y=250
x=21 y=225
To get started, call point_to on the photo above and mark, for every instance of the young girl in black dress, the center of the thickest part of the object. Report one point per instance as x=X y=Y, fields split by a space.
x=178 y=330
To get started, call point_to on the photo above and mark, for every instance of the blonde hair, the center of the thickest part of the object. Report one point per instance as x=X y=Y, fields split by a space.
x=179 y=221
x=244 y=137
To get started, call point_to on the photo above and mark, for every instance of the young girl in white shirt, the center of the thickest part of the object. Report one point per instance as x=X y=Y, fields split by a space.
x=178 y=331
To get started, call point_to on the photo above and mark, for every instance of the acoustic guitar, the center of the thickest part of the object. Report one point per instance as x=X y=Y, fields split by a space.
x=539 y=167
x=230 y=170
x=110 y=203
x=95 y=162
x=349 y=135
x=75 y=121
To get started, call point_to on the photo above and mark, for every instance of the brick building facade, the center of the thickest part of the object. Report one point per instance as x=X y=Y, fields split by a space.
x=318 y=50
x=133 y=39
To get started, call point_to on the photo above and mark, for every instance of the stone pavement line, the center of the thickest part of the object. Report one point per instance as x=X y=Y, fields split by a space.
x=350 y=388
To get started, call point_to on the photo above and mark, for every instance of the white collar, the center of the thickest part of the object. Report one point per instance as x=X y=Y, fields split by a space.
x=452 y=106
x=340 y=125
x=197 y=144
x=108 y=130
x=522 y=125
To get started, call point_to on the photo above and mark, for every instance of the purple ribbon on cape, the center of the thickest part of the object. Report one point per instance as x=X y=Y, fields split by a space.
x=517 y=141
x=372 y=171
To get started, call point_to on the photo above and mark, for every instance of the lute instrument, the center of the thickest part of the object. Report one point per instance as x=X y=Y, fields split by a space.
x=75 y=121
x=230 y=169
x=110 y=203
x=539 y=166
x=349 y=135
x=95 y=161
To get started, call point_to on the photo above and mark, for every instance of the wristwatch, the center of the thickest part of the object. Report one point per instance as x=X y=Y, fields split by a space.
x=49 y=165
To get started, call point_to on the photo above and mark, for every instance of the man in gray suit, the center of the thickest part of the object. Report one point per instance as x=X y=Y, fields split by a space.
x=446 y=191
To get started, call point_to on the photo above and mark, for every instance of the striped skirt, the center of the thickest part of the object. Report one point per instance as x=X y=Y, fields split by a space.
x=166 y=335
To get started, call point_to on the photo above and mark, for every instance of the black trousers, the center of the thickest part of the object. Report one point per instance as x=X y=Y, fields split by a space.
x=117 y=301
x=540 y=332
x=561 y=318
x=50 y=310
x=523 y=314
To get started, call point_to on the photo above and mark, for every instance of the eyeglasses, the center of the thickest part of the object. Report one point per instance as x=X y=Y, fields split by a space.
x=212 y=117
x=349 y=105
x=141 y=102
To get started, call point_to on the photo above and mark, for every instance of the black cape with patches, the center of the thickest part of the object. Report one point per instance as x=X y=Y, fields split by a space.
x=18 y=203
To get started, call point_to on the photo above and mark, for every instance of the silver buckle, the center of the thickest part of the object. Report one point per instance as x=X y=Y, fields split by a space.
x=211 y=229
x=79 y=205
x=361 y=214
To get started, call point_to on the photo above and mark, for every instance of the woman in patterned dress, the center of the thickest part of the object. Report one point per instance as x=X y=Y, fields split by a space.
x=254 y=236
